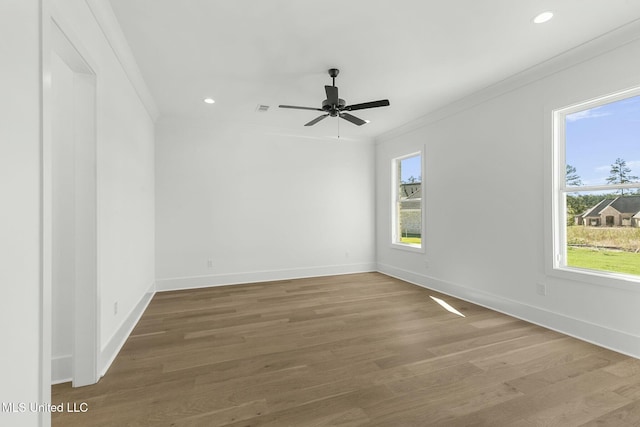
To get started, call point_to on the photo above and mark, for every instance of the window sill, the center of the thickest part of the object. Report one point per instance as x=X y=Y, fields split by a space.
x=598 y=278
x=408 y=247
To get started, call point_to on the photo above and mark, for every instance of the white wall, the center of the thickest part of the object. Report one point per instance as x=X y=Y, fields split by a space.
x=487 y=195
x=125 y=176
x=260 y=206
x=20 y=364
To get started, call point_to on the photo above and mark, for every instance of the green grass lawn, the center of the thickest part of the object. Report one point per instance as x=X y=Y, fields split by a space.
x=411 y=240
x=617 y=261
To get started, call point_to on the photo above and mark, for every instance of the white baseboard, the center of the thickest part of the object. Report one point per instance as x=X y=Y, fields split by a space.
x=111 y=349
x=61 y=369
x=612 y=339
x=178 y=283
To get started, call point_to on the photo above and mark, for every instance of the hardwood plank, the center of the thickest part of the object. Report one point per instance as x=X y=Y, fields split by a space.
x=624 y=416
x=350 y=350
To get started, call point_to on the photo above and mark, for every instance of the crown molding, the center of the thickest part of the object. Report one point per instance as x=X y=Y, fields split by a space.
x=586 y=51
x=108 y=23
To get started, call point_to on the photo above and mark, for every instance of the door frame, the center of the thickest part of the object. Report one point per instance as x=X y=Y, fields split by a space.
x=58 y=37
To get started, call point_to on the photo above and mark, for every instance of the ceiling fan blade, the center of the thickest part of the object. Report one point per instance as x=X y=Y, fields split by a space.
x=332 y=94
x=317 y=119
x=372 y=104
x=300 y=108
x=353 y=119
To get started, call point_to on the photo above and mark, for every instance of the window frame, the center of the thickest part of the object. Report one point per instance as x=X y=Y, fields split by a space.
x=395 y=243
x=560 y=189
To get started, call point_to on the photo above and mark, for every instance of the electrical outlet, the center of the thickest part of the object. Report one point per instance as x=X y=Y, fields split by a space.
x=115 y=307
x=541 y=289
x=209 y=263
x=426 y=264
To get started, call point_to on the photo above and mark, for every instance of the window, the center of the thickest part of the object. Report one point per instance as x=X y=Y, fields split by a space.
x=597 y=186
x=407 y=201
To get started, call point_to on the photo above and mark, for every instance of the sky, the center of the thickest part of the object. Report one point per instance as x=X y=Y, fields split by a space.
x=410 y=168
x=596 y=137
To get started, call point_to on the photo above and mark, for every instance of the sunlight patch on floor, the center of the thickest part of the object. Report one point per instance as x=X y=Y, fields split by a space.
x=446 y=306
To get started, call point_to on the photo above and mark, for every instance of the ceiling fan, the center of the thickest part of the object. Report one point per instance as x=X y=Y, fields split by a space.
x=337 y=107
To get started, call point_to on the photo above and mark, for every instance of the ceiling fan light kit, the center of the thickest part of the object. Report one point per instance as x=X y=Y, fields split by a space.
x=335 y=106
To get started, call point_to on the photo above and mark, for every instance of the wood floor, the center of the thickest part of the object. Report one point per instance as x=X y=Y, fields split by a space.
x=353 y=350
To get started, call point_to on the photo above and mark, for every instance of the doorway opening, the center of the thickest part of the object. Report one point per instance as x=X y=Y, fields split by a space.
x=73 y=232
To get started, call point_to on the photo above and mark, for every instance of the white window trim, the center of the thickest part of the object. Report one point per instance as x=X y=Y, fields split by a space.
x=409 y=247
x=558 y=247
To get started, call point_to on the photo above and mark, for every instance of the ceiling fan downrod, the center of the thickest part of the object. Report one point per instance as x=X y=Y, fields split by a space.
x=333 y=73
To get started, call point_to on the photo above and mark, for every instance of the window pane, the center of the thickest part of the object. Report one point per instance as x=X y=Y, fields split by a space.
x=603 y=144
x=409 y=201
x=603 y=231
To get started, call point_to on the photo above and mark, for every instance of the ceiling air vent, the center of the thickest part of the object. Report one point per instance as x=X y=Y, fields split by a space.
x=262 y=108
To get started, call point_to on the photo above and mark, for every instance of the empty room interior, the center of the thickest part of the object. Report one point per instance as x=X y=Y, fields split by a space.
x=295 y=213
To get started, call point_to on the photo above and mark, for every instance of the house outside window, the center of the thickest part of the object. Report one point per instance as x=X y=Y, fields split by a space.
x=597 y=187
x=407 y=201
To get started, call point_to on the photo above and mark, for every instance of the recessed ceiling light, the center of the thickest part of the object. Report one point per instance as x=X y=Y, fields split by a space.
x=209 y=100
x=543 y=17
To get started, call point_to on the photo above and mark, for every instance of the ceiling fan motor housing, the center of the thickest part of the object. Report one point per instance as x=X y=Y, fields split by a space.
x=333 y=109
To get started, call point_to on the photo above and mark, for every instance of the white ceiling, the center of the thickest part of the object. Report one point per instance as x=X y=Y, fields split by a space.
x=420 y=54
